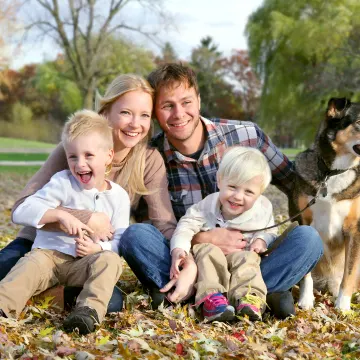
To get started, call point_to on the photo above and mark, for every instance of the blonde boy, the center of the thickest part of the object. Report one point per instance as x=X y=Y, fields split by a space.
x=242 y=177
x=71 y=258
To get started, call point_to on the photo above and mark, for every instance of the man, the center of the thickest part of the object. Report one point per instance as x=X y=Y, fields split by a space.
x=192 y=148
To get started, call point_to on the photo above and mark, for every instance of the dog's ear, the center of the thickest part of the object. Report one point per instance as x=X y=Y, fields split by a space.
x=336 y=106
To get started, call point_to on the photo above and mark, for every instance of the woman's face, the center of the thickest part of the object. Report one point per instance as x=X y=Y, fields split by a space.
x=130 y=118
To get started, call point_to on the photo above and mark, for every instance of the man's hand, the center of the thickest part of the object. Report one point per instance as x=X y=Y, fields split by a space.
x=86 y=246
x=102 y=228
x=228 y=240
x=258 y=245
x=184 y=284
x=177 y=259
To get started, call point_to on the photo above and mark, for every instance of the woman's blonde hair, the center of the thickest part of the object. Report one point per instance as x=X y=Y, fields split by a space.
x=240 y=164
x=131 y=176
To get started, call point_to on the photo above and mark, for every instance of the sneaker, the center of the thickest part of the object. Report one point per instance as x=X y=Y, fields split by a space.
x=82 y=318
x=281 y=304
x=216 y=307
x=251 y=306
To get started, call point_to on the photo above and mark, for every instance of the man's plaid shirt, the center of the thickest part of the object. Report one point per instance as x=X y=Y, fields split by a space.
x=191 y=180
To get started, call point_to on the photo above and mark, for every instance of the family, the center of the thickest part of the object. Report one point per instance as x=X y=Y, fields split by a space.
x=209 y=175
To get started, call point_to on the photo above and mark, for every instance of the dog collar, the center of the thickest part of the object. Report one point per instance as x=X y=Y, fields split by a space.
x=324 y=169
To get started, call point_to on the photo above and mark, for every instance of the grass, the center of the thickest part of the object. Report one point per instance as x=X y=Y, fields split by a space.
x=291 y=152
x=21 y=143
x=23 y=157
x=25 y=170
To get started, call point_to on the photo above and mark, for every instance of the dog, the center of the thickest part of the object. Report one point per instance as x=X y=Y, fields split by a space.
x=329 y=174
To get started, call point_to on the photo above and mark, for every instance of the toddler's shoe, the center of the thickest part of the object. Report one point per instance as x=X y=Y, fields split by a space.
x=82 y=318
x=216 y=307
x=251 y=306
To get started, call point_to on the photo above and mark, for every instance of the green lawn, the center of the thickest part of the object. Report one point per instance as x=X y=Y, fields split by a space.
x=23 y=157
x=291 y=152
x=21 y=143
x=26 y=170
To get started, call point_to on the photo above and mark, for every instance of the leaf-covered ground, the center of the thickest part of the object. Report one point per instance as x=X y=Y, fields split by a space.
x=173 y=332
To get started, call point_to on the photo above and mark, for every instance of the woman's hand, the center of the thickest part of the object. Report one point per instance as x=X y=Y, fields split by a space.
x=70 y=224
x=101 y=226
x=184 y=283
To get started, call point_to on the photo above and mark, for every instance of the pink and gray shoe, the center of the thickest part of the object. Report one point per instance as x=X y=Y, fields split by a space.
x=216 y=307
x=250 y=305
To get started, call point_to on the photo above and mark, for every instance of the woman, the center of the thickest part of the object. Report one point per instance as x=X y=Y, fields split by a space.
x=140 y=170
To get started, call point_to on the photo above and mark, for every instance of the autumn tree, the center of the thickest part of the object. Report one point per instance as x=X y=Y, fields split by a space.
x=238 y=69
x=8 y=21
x=303 y=52
x=83 y=30
x=218 y=98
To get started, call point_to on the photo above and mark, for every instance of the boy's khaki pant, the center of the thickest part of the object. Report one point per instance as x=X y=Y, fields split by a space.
x=41 y=269
x=235 y=274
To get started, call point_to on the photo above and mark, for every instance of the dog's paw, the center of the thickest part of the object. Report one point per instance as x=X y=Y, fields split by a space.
x=306 y=298
x=343 y=302
x=306 y=301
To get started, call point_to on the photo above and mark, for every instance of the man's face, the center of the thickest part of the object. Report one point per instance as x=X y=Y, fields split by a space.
x=177 y=109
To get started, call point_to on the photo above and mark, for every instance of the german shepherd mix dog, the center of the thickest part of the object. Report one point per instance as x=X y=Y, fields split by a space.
x=329 y=174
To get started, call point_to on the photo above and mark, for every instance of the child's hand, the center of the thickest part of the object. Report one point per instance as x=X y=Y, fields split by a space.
x=177 y=258
x=258 y=245
x=72 y=225
x=86 y=247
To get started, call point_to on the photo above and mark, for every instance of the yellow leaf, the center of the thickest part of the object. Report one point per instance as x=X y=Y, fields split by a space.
x=46 y=331
x=102 y=340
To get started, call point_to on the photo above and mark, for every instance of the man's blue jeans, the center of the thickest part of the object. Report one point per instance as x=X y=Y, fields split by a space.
x=147 y=252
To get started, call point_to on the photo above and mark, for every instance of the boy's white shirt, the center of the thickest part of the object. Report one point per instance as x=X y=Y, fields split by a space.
x=206 y=215
x=64 y=190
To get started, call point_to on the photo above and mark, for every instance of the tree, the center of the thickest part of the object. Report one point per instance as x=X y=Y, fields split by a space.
x=83 y=30
x=237 y=67
x=8 y=20
x=168 y=55
x=300 y=50
x=218 y=97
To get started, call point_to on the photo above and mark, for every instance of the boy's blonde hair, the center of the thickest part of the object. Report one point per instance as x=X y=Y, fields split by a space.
x=84 y=122
x=240 y=164
x=131 y=176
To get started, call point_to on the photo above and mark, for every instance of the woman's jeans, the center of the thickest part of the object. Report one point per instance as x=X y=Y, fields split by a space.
x=147 y=252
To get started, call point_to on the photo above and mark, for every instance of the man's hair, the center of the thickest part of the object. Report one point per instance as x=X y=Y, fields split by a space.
x=171 y=74
x=240 y=164
x=84 y=122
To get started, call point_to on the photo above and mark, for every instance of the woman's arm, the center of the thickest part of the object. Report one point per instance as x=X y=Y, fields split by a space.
x=160 y=211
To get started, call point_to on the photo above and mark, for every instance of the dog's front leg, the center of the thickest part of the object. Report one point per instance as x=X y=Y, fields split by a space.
x=306 y=299
x=351 y=271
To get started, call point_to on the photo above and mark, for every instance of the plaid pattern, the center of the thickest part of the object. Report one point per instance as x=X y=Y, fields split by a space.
x=192 y=180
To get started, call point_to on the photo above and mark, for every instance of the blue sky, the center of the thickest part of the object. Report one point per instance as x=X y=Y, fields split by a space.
x=224 y=20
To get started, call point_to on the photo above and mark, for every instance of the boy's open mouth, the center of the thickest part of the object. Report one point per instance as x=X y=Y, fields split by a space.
x=85 y=177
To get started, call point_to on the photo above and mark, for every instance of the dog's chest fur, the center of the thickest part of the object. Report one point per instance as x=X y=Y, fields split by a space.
x=329 y=214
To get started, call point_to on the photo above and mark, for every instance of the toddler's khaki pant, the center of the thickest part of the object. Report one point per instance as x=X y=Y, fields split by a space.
x=233 y=274
x=41 y=269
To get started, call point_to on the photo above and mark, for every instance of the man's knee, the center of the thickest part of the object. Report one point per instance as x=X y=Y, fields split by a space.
x=306 y=240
